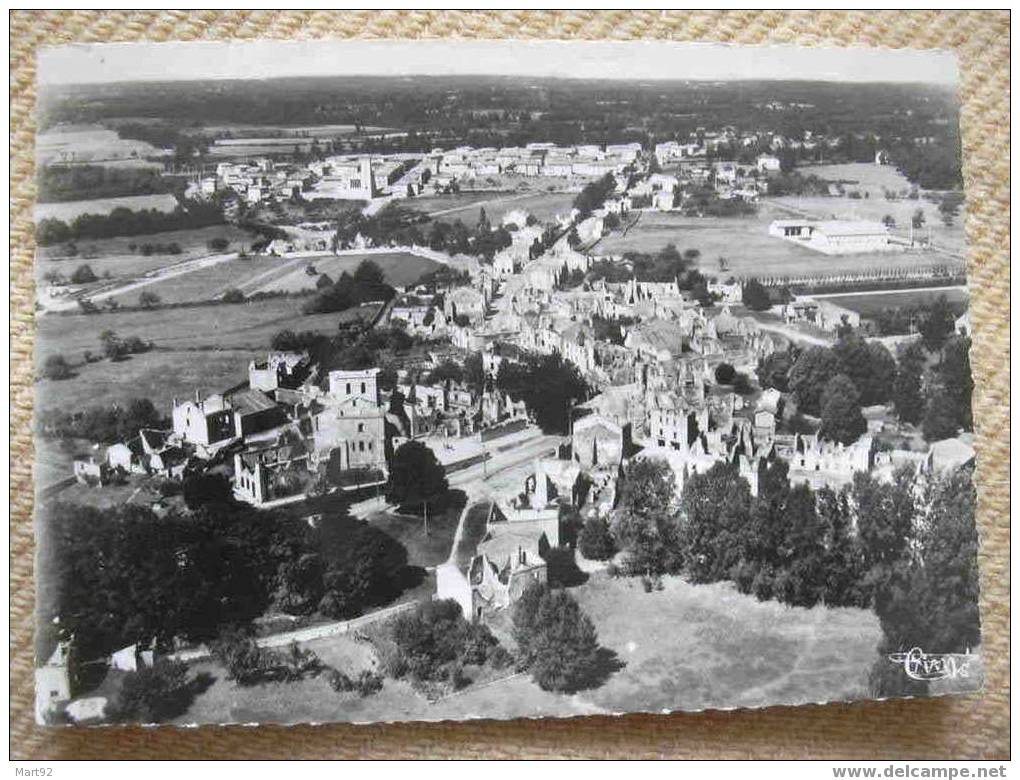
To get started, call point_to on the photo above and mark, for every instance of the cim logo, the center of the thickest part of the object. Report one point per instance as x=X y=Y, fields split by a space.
x=920 y=665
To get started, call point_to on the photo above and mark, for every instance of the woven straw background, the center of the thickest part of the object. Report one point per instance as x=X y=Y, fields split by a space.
x=976 y=726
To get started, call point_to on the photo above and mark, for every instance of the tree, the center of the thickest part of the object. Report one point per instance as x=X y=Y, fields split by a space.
x=888 y=221
x=941 y=416
x=548 y=385
x=368 y=272
x=83 y=274
x=844 y=558
x=842 y=420
x=906 y=393
x=931 y=599
x=556 y=641
x=56 y=368
x=810 y=373
x=869 y=365
x=646 y=524
x=885 y=513
x=715 y=512
x=416 y=476
x=938 y=325
x=153 y=694
x=148 y=299
x=323 y=282
x=957 y=381
x=724 y=373
x=917 y=220
x=741 y=384
x=755 y=296
x=774 y=369
x=596 y=541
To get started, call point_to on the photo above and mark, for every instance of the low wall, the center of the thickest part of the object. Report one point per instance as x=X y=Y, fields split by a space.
x=306 y=634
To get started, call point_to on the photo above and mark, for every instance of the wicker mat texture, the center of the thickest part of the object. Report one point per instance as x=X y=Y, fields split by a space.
x=976 y=726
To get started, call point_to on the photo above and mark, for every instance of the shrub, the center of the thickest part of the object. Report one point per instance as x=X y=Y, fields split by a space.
x=233 y=295
x=365 y=684
x=148 y=299
x=83 y=274
x=153 y=694
x=248 y=664
x=218 y=244
x=56 y=367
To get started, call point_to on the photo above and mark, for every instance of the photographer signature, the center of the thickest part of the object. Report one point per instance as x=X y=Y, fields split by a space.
x=920 y=665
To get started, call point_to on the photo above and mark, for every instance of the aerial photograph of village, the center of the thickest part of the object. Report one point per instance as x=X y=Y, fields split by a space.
x=432 y=396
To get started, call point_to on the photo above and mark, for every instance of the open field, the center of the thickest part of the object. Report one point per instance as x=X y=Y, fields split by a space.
x=203 y=348
x=399 y=268
x=685 y=647
x=869 y=304
x=69 y=210
x=748 y=248
x=465 y=206
x=91 y=144
x=114 y=258
x=874 y=209
x=863 y=177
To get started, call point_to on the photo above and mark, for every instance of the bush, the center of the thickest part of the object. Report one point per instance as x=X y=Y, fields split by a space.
x=233 y=295
x=56 y=367
x=148 y=299
x=435 y=642
x=218 y=244
x=365 y=684
x=83 y=274
x=249 y=664
x=153 y=694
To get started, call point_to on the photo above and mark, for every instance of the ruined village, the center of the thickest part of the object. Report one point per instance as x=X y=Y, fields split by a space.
x=481 y=431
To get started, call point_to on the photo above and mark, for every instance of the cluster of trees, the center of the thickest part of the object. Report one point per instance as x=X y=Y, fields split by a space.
x=935 y=321
x=704 y=201
x=907 y=548
x=667 y=265
x=611 y=330
x=834 y=383
x=789 y=182
x=61 y=183
x=122 y=575
x=103 y=424
x=594 y=195
x=755 y=296
x=548 y=385
x=434 y=643
x=397 y=225
x=125 y=222
x=366 y=284
x=471 y=373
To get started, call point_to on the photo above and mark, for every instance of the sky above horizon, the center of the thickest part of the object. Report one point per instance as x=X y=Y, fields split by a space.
x=634 y=60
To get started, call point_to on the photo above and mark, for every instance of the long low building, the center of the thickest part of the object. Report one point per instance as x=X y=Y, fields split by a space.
x=836 y=237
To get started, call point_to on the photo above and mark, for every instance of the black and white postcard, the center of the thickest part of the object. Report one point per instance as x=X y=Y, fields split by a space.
x=396 y=380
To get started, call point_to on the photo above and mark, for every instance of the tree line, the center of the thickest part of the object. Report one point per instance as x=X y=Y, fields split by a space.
x=125 y=222
x=906 y=548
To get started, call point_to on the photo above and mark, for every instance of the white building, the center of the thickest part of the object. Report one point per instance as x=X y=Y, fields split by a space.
x=835 y=237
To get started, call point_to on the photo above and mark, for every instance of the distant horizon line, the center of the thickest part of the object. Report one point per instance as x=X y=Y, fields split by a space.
x=625 y=61
x=407 y=76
